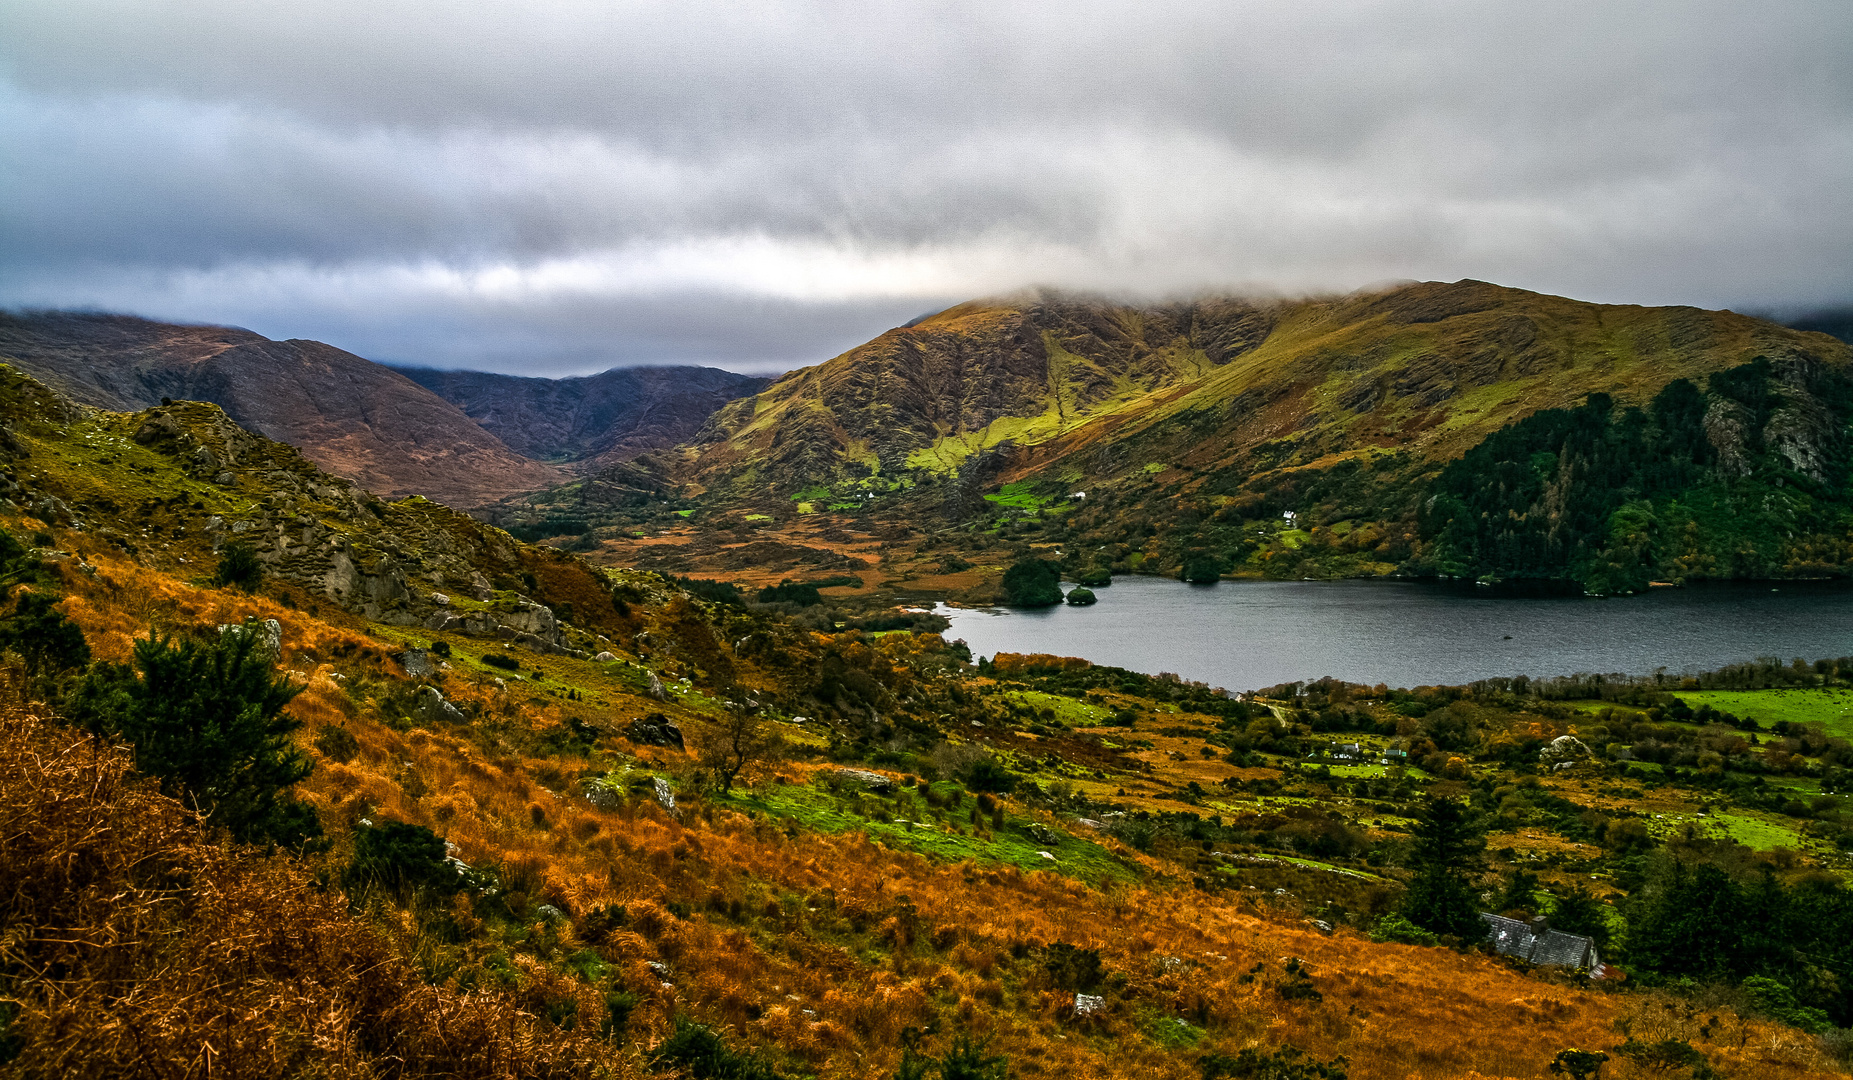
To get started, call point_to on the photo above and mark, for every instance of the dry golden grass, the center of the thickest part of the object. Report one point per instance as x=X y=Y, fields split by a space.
x=825 y=946
x=136 y=947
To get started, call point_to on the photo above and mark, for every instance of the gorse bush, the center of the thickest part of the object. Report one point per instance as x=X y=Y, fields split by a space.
x=1286 y=1063
x=403 y=859
x=205 y=717
x=239 y=566
x=699 y=1052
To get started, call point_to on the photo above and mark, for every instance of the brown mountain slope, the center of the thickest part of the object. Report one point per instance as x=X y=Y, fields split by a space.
x=598 y=419
x=1426 y=368
x=349 y=415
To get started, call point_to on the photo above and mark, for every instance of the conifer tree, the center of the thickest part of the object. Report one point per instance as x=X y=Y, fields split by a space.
x=1448 y=843
x=205 y=716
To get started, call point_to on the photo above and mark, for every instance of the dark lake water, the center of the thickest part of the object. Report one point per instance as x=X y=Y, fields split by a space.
x=1246 y=635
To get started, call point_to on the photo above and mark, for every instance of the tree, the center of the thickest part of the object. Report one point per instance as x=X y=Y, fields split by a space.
x=205 y=717
x=1447 y=843
x=240 y=566
x=1578 y=1064
x=45 y=640
x=1032 y=583
x=1203 y=569
x=1579 y=912
x=740 y=739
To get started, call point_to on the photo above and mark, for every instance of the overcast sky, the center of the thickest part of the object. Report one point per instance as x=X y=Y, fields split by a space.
x=560 y=186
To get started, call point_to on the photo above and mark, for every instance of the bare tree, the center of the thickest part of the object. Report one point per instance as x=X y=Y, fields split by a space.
x=736 y=741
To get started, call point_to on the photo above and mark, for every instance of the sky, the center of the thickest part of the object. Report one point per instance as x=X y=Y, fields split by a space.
x=560 y=186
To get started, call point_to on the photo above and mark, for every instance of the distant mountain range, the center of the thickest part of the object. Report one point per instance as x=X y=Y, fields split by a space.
x=594 y=420
x=383 y=428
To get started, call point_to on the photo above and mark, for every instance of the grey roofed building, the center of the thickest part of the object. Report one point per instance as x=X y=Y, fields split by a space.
x=1538 y=943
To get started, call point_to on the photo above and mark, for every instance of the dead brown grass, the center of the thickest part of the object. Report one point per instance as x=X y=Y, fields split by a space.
x=134 y=946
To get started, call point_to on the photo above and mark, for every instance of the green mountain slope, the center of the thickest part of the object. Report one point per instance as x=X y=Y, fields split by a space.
x=1155 y=437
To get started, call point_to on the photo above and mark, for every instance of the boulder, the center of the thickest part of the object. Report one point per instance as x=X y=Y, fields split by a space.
x=656 y=688
x=655 y=730
x=269 y=636
x=604 y=657
x=429 y=707
x=868 y=781
x=665 y=797
x=418 y=663
x=1565 y=748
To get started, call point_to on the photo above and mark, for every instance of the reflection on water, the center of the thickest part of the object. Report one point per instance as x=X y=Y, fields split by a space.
x=1246 y=635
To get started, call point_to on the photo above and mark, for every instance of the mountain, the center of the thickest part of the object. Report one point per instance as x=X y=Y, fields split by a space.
x=353 y=417
x=1383 y=423
x=598 y=419
x=1426 y=368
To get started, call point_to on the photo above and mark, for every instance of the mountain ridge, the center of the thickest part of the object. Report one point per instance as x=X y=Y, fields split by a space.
x=350 y=415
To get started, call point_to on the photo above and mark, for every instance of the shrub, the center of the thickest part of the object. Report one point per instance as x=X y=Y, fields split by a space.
x=500 y=660
x=1402 y=931
x=1095 y=577
x=403 y=859
x=206 y=718
x=1203 y=569
x=1072 y=968
x=239 y=566
x=1081 y=597
x=441 y=648
x=1286 y=1063
x=699 y=1051
x=337 y=743
x=989 y=775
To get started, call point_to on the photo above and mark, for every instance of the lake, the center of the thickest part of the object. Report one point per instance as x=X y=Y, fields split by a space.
x=1244 y=635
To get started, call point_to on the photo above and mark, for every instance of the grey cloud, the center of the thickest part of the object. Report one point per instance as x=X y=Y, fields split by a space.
x=578 y=183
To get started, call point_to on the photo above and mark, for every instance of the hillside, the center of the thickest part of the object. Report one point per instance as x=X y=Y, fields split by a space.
x=580 y=822
x=596 y=420
x=1175 y=436
x=351 y=416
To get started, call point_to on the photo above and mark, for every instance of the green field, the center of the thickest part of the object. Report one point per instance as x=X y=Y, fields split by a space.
x=948 y=840
x=1832 y=707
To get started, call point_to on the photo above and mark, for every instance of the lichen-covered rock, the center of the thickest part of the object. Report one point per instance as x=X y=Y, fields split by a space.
x=418 y=663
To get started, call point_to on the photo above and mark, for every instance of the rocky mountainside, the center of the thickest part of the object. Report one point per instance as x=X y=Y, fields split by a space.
x=598 y=419
x=351 y=416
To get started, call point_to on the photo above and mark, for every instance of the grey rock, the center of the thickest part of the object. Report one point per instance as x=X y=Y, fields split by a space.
x=655 y=730
x=269 y=636
x=869 y=781
x=1089 y=1004
x=603 y=794
x=656 y=688
x=418 y=663
x=550 y=914
x=429 y=706
x=440 y=599
x=665 y=797
x=605 y=657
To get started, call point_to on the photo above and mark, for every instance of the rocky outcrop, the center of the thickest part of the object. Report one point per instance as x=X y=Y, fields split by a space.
x=654 y=730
